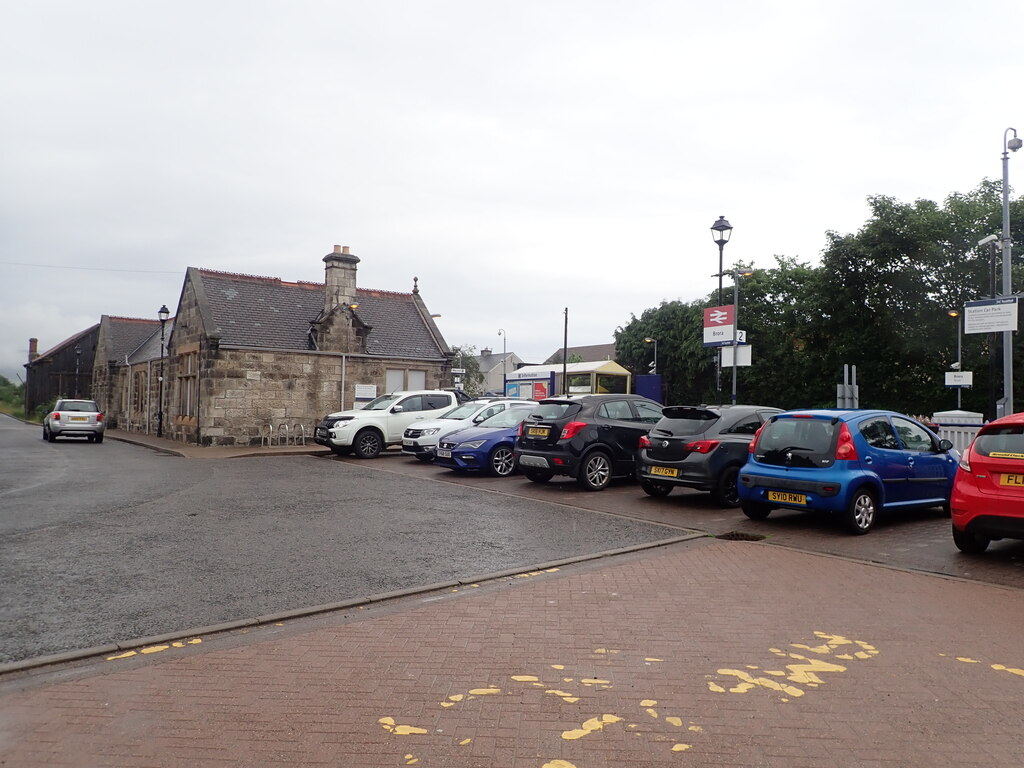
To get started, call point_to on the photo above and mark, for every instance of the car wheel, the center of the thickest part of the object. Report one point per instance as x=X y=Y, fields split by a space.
x=46 y=433
x=426 y=458
x=595 y=471
x=502 y=462
x=368 y=444
x=50 y=437
x=755 y=510
x=727 y=492
x=971 y=543
x=861 y=514
x=537 y=475
x=99 y=438
x=656 y=489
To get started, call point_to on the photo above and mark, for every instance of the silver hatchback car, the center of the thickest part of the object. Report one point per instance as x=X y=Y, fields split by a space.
x=74 y=418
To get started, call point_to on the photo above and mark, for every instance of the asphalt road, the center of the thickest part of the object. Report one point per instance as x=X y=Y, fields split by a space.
x=110 y=542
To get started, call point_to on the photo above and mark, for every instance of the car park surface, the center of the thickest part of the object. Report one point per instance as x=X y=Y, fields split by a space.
x=988 y=492
x=591 y=438
x=486 y=447
x=700 y=447
x=849 y=463
x=74 y=418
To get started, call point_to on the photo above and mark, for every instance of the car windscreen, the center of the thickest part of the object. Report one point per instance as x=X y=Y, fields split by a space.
x=510 y=417
x=382 y=403
x=554 y=411
x=463 y=411
x=682 y=420
x=82 y=406
x=797 y=441
x=1001 y=443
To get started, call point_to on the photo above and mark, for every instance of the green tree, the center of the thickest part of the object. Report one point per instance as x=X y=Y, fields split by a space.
x=465 y=357
x=12 y=397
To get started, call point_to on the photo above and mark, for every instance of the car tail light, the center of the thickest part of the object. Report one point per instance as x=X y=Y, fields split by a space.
x=522 y=426
x=753 y=443
x=645 y=442
x=99 y=418
x=965 y=461
x=702 y=446
x=571 y=429
x=845 y=449
x=56 y=415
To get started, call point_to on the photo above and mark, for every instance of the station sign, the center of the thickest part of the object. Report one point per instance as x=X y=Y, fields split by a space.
x=959 y=379
x=990 y=315
x=718 y=325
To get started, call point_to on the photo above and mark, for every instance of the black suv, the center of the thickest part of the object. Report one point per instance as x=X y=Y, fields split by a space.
x=589 y=437
x=699 y=446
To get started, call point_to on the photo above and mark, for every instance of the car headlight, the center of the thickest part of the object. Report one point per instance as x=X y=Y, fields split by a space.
x=431 y=431
x=472 y=444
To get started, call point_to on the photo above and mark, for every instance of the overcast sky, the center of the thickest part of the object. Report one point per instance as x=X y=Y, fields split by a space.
x=518 y=158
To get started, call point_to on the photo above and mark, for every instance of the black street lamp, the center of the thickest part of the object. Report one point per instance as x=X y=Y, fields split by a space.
x=721 y=231
x=654 y=364
x=78 y=357
x=163 y=313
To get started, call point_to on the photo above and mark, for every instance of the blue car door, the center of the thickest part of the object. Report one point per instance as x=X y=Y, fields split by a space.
x=887 y=460
x=931 y=470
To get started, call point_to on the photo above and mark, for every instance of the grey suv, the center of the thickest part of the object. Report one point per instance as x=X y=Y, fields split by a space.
x=74 y=418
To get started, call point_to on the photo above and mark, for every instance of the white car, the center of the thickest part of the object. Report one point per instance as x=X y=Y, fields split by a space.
x=368 y=430
x=420 y=439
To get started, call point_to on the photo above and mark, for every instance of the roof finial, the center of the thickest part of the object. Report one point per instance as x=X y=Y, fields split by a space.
x=415 y=285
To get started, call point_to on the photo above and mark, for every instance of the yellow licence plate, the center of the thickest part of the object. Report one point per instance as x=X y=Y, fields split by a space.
x=665 y=471
x=1016 y=481
x=537 y=431
x=79 y=418
x=787 y=498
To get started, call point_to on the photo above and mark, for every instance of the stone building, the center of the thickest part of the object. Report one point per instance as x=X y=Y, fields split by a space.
x=248 y=354
x=119 y=338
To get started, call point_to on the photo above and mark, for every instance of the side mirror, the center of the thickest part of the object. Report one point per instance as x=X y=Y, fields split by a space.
x=945 y=445
x=397 y=409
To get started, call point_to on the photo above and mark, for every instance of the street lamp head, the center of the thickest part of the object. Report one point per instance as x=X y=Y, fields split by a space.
x=721 y=231
x=78 y=350
x=649 y=340
x=989 y=239
x=1014 y=144
x=163 y=313
x=953 y=313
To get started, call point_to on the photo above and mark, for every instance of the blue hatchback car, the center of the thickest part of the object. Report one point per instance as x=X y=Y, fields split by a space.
x=487 y=446
x=850 y=463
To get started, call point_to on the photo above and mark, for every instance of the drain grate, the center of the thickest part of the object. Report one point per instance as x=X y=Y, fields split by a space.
x=740 y=536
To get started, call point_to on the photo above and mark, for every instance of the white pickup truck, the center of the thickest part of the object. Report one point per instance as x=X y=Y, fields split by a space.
x=368 y=430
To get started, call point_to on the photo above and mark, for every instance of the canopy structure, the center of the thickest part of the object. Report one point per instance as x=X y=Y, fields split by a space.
x=538 y=381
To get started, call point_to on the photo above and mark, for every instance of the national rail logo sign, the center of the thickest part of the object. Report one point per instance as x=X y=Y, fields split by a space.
x=718 y=325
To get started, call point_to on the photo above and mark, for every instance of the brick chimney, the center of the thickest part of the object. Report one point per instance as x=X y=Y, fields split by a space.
x=340 y=274
x=33 y=349
x=485 y=352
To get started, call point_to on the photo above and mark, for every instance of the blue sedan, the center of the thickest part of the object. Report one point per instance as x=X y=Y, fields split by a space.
x=486 y=447
x=849 y=463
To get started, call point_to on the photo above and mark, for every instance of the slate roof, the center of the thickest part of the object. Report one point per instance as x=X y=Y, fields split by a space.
x=126 y=334
x=266 y=312
x=490 y=362
x=150 y=348
x=592 y=353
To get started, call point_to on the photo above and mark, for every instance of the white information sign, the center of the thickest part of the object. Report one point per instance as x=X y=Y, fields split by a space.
x=990 y=315
x=742 y=356
x=959 y=379
x=366 y=391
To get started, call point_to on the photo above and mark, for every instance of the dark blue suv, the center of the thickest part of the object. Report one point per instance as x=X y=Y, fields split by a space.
x=850 y=463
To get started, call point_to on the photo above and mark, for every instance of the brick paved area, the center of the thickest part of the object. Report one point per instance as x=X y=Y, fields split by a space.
x=707 y=653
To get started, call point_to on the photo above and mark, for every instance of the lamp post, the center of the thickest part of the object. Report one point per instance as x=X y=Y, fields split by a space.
x=991 y=241
x=1008 y=145
x=163 y=313
x=654 y=365
x=504 y=360
x=959 y=364
x=78 y=357
x=721 y=231
x=736 y=275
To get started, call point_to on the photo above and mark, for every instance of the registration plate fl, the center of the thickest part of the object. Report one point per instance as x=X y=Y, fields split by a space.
x=787 y=498
x=443 y=453
x=79 y=418
x=538 y=431
x=1013 y=481
x=665 y=471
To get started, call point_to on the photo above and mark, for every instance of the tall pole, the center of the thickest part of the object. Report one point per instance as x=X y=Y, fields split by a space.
x=504 y=360
x=565 y=355
x=959 y=359
x=735 y=323
x=1008 y=144
x=163 y=314
x=721 y=231
x=78 y=356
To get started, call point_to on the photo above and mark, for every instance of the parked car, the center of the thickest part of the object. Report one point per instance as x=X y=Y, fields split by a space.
x=589 y=437
x=988 y=491
x=699 y=446
x=421 y=438
x=74 y=418
x=487 y=446
x=368 y=430
x=850 y=463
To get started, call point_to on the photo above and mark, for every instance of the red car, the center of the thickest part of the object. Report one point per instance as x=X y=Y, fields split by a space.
x=988 y=491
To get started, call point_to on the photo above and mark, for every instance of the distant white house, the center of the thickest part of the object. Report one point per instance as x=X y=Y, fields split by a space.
x=494 y=366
